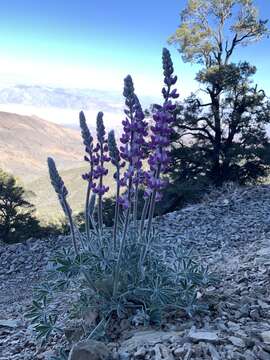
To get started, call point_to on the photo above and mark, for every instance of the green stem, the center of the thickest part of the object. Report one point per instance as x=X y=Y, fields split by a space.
x=144 y=213
x=119 y=258
x=151 y=214
x=68 y=214
x=100 y=220
x=135 y=211
x=115 y=224
x=123 y=240
x=100 y=214
x=150 y=219
x=87 y=222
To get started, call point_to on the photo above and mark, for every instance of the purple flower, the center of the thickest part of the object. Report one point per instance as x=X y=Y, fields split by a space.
x=135 y=146
x=88 y=142
x=123 y=201
x=169 y=78
x=159 y=159
x=100 y=189
x=97 y=155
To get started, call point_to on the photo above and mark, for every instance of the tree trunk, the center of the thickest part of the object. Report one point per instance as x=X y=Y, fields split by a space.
x=216 y=168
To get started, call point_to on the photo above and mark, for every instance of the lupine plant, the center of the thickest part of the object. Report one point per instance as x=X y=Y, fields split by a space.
x=126 y=271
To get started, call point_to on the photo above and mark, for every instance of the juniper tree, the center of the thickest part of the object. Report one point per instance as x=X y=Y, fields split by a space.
x=17 y=220
x=222 y=138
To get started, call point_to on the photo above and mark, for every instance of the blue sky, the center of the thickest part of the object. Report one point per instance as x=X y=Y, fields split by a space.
x=94 y=43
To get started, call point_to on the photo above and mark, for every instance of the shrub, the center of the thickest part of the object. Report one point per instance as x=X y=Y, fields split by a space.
x=108 y=214
x=125 y=271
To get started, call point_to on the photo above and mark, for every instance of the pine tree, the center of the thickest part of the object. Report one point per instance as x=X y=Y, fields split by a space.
x=17 y=220
x=222 y=138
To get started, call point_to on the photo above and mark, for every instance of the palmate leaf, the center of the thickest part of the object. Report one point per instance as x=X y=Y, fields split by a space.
x=44 y=291
x=190 y=304
x=157 y=291
x=84 y=304
x=207 y=278
x=62 y=284
x=47 y=327
x=39 y=311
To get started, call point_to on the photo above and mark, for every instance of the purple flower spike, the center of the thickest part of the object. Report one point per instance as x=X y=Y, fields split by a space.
x=169 y=79
x=135 y=147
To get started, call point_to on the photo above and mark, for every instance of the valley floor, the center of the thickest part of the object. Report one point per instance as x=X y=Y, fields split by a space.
x=229 y=232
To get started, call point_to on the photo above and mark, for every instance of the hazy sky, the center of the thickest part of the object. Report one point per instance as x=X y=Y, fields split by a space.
x=95 y=43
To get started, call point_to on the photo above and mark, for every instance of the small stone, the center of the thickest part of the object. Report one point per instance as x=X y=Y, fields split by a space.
x=73 y=333
x=249 y=355
x=140 y=353
x=9 y=323
x=213 y=351
x=254 y=314
x=236 y=341
x=89 y=349
x=123 y=355
x=162 y=352
x=203 y=335
x=265 y=335
x=178 y=352
x=263 y=355
x=263 y=305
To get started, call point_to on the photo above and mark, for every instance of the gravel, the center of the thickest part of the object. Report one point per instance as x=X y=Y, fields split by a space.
x=229 y=231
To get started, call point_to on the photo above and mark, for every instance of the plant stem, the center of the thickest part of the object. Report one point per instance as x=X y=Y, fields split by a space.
x=68 y=214
x=100 y=220
x=115 y=224
x=150 y=220
x=123 y=240
x=143 y=217
x=135 y=211
x=152 y=207
x=100 y=214
x=87 y=222
x=119 y=258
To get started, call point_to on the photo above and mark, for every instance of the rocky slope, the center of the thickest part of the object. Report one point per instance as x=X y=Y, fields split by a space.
x=229 y=232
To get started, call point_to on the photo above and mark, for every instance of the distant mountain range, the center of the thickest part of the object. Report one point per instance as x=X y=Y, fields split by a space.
x=44 y=96
x=61 y=105
x=25 y=144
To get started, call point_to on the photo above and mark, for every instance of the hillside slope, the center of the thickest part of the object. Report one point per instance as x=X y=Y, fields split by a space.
x=45 y=199
x=27 y=141
x=25 y=144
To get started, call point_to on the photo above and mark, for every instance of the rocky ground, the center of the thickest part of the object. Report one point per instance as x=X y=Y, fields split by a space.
x=230 y=232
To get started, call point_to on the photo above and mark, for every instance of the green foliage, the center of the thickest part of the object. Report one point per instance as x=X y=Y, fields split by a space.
x=211 y=29
x=108 y=214
x=181 y=192
x=17 y=220
x=223 y=138
x=169 y=282
x=228 y=145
